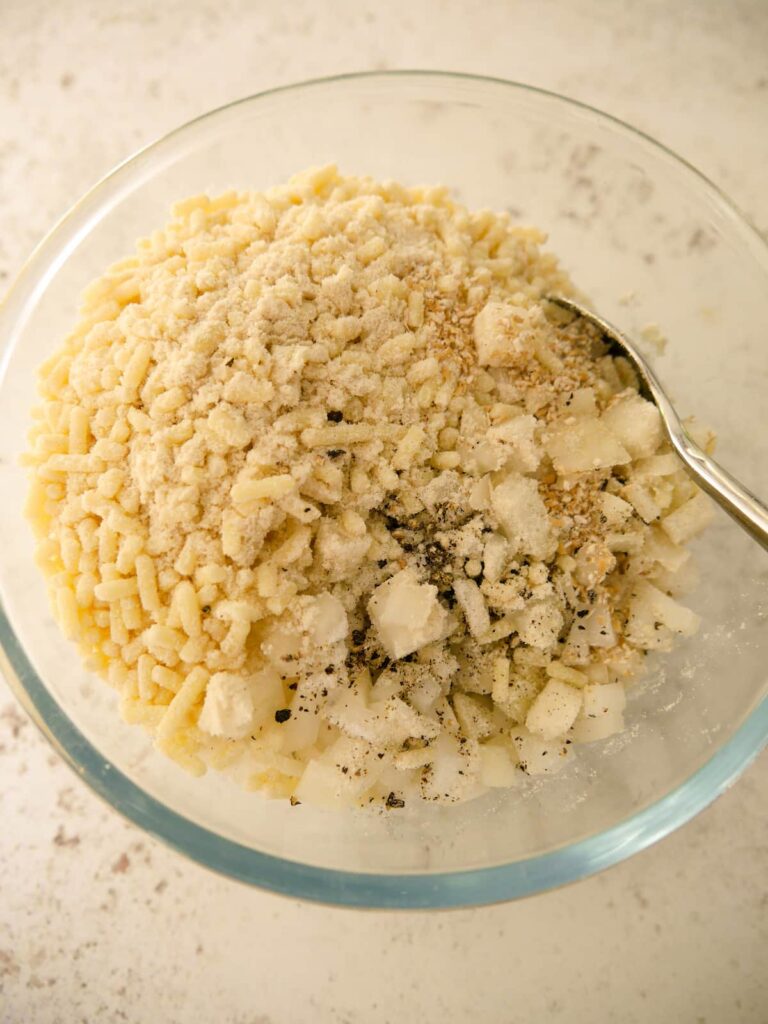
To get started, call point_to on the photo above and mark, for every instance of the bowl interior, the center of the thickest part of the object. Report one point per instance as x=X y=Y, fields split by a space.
x=649 y=241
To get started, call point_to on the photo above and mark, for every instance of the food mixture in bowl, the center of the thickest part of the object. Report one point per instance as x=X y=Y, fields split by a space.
x=337 y=501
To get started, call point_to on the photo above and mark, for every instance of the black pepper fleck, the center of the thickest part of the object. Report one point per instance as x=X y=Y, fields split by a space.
x=282 y=715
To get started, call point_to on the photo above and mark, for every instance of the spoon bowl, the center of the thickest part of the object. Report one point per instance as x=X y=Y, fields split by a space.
x=746 y=509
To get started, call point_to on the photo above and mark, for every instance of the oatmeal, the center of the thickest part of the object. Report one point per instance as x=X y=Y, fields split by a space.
x=332 y=496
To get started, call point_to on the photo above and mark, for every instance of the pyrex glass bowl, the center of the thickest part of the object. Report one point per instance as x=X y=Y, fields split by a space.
x=649 y=240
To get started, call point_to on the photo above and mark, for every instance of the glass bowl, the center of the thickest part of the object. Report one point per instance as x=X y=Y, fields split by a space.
x=648 y=239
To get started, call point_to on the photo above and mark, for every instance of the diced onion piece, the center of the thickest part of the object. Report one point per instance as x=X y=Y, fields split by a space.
x=523 y=516
x=584 y=445
x=228 y=706
x=453 y=775
x=636 y=423
x=554 y=710
x=475 y=719
x=557 y=670
x=472 y=603
x=406 y=614
x=539 y=624
x=539 y=756
x=614 y=508
x=660 y=550
x=494 y=556
x=641 y=501
x=688 y=520
x=657 y=465
x=602 y=713
x=651 y=611
x=340 y=777
x=498 y=765
x=503 y=330
x=521 y=694
x=515 y=443
x=598 y=628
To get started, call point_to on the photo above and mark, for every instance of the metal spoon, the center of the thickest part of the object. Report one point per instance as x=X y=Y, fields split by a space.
x=750 y=513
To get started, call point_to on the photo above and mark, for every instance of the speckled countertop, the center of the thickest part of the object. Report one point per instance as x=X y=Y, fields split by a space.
x=100 y=923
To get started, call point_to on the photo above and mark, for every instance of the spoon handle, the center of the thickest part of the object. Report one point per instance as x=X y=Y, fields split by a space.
x=748 y=511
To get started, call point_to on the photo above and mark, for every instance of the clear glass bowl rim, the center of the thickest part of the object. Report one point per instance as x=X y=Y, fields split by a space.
x=471 y=887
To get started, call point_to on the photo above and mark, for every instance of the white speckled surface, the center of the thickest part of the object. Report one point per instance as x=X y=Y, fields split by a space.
x=99 y=922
